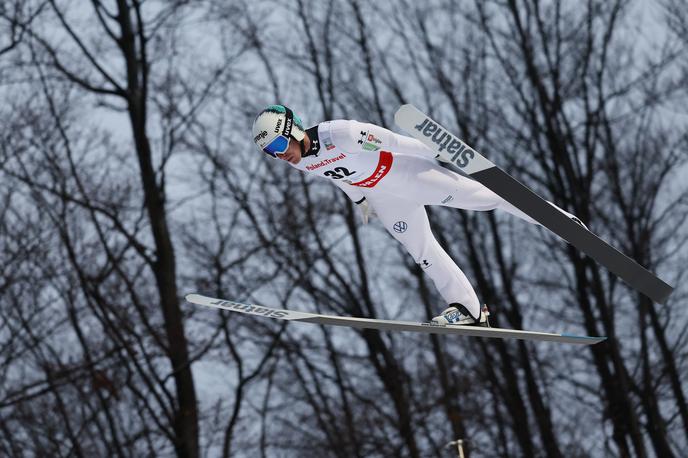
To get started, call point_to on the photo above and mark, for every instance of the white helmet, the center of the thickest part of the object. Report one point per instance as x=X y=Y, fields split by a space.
x=274 y=127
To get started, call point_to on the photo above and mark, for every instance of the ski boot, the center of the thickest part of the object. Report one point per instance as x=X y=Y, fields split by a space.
x=457 y=315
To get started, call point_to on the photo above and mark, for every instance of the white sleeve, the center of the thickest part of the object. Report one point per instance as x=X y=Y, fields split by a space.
x=360 y=137
x=352 y=192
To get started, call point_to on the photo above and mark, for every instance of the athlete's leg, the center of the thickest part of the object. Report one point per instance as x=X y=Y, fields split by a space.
x=427 y=183
x=408 y=223
x=460 y=192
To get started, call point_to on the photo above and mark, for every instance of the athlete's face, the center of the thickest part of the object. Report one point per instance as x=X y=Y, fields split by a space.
x=293 y=152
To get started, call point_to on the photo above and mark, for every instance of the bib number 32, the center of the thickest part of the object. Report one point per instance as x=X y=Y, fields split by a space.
x=338 y=173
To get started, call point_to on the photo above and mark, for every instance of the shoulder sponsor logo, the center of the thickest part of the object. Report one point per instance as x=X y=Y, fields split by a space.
x=252 y=309
x=324 y=133
x=373 y=139
x=461 y=154
x=369 y=141
x=325 y=162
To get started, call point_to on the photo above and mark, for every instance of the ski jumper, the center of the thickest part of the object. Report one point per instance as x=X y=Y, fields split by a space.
x=398 y=176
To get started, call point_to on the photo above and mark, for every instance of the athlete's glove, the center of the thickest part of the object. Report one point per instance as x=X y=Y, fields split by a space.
x=367 y=211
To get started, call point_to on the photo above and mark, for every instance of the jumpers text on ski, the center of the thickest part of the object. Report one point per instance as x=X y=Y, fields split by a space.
x=394 y=177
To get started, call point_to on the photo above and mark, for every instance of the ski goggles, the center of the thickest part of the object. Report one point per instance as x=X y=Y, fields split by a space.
x=280 y=144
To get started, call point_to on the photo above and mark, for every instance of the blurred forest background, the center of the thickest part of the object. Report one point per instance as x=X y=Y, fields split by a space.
x=128 y=178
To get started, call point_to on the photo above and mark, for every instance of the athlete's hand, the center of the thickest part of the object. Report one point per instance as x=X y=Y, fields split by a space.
x=367 y=211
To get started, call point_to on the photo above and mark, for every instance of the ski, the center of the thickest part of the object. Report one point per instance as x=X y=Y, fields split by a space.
x=387 y=325
x=452 y=149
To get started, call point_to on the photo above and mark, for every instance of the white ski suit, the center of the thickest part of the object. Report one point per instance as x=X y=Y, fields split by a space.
x=398 y=176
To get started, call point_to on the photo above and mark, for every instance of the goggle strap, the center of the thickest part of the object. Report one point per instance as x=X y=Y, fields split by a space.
x=289 y=122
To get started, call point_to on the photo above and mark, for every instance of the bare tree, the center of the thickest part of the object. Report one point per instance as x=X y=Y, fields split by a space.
x=107 y=221
x=135 y=237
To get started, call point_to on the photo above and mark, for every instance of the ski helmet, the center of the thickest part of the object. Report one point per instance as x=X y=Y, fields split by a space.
x=274 y=127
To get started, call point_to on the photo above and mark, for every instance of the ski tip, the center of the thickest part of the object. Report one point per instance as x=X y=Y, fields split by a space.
x=404 y=110
x=404 y=107
x=192 y=297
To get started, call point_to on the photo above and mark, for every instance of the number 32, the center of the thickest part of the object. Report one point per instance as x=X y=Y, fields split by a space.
x=335 y=173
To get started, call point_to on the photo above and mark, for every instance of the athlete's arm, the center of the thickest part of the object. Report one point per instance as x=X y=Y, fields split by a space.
x=352 y=192
x=356 y=196
x=356 y=137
